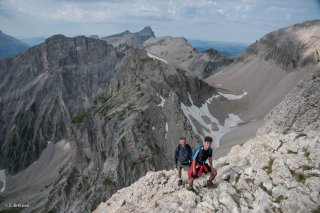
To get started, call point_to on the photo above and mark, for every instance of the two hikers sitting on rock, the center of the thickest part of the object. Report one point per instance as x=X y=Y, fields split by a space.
x=182 y=157
x=199 y=165
x=198 y=161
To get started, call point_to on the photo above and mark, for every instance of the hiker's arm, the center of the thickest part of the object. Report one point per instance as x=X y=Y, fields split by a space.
x=194 y=166
x=210 y=161
x=194 y=159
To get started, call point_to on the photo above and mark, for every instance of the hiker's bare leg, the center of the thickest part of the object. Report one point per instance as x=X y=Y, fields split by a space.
x=191 y=182
x=213 y=174
x=179 y=173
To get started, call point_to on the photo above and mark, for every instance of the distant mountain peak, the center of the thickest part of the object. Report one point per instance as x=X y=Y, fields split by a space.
x=56 y=37
x=146 y=33
x=126 y=39
x=147 y=29
x=10 y=46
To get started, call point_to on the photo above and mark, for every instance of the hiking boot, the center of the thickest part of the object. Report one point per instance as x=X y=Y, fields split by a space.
x=180 y=182
x=209 y=184
x=189 y=188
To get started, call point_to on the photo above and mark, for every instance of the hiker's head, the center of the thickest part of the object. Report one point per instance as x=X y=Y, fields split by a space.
x=207 y=142
x=182 y=141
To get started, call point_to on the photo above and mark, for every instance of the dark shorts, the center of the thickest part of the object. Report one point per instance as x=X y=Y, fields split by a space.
x=183 y=166
x=205 y=169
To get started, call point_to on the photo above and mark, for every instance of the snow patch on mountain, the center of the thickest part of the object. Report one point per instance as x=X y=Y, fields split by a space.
x=2 y=180
x=156 y=57
x=167 y=129
x=162 y=100
x=234 y=97
x=203 y=116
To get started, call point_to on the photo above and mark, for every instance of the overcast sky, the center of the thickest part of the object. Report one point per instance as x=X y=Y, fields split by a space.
x=218 y=20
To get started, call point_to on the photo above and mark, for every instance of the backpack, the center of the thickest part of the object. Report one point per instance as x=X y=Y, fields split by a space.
x=200 y=148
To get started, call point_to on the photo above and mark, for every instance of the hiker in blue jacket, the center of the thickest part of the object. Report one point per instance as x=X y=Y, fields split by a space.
x=199 y=165
x=182 y=157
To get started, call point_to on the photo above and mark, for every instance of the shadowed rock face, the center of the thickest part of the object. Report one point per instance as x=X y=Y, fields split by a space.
x=44 y=88
x=120 y=112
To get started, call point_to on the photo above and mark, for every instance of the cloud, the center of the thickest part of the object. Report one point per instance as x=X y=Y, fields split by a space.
x=77 y=14
x=93 y=1
x=6 y=13
x=108 y=10
x=170 y=17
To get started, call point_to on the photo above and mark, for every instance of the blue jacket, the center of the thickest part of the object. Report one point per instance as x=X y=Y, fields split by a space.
x=183 y=155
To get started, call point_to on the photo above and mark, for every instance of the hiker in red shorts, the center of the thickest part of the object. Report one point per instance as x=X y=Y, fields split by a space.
x=199 y=165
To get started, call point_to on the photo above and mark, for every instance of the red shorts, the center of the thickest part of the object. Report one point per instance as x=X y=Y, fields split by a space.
x=199 y=170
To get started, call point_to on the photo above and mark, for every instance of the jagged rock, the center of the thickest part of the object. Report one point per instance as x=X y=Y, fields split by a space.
x=280 y=172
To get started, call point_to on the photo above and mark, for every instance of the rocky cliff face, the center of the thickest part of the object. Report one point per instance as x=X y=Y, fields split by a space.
x=278 y=171
x=120 y=114
x=43 y=89
x=207 y=63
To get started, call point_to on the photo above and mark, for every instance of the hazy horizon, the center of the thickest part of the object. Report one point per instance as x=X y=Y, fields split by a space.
x=241 y=21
